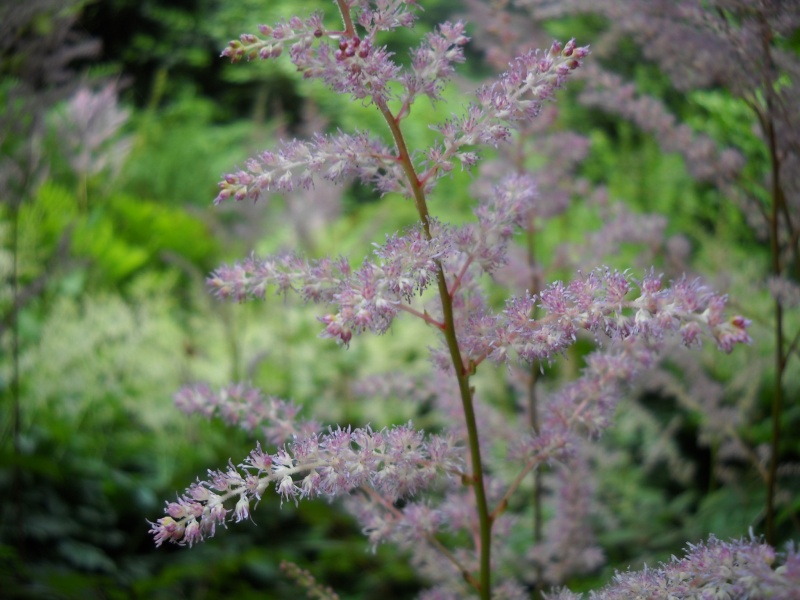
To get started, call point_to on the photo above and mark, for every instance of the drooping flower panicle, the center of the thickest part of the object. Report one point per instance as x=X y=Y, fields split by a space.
x=297 y=163
x=599 y=303
x=365 y=299
x=396 y=462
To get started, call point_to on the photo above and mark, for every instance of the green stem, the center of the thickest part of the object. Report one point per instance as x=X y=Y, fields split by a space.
x=462 y=374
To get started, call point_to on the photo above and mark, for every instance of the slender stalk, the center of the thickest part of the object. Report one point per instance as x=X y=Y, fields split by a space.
x=533 y=418
x=462 y=374
x=780 y=359
x=16 y=407
x=533 y=400
x=780 y=365
x=777 y=209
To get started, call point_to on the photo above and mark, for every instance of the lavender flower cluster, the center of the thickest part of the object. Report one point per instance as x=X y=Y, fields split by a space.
x=361 y=68
x=370 y=297
x=717 y=569
x=395 y=462
x=434 y=272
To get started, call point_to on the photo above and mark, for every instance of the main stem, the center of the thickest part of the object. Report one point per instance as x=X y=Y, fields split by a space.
x=462 y=374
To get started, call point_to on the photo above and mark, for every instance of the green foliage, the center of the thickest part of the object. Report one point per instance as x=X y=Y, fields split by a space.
x=43 y=224
x=730 y=122
x=119 y=235
x=128 y=233
x=179 y=153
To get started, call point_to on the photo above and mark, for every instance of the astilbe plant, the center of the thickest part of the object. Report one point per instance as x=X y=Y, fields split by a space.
x=417 y=489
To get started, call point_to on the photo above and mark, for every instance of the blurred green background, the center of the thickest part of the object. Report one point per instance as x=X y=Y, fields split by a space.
x=109 y=252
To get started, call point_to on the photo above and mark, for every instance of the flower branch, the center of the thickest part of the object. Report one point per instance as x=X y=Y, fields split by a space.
x=397 y=462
